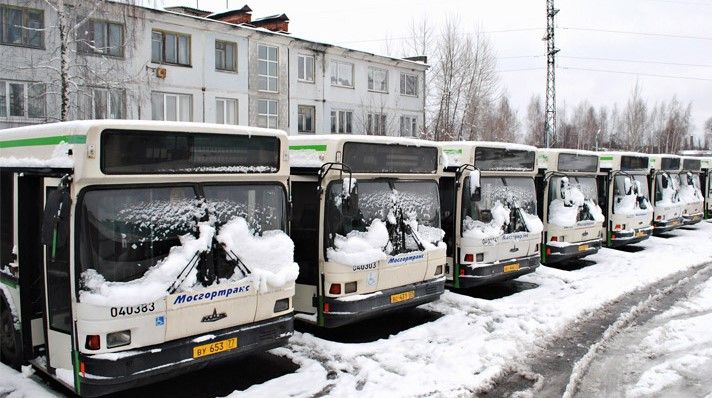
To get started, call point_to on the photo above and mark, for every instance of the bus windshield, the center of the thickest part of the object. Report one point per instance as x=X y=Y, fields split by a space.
x=125 y=232
x=630 y=194
x=667 y=186
x=513 y=193
x=392 y=202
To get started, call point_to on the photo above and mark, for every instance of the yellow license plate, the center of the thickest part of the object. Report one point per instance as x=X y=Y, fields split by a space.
x=640 y=234
x=214 y=348
x=583 y=248
x=405 y=296
x=511 y=267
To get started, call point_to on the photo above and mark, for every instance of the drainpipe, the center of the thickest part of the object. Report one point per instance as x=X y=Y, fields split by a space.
x=289 y=95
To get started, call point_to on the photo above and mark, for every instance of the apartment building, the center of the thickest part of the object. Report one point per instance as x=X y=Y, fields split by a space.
x=191 y=65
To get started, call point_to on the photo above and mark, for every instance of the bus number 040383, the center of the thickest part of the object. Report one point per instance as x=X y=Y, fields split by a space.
x=139 y=309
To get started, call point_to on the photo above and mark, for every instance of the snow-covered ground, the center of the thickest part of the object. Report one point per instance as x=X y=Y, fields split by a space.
x=477 y=340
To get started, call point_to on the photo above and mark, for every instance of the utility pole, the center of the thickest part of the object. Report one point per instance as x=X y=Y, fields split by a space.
x=551 y=50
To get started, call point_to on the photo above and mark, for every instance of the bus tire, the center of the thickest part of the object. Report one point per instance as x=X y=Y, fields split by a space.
x=10 y=348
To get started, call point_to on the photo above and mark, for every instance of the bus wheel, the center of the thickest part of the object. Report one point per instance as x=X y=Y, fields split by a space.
x=9 y=338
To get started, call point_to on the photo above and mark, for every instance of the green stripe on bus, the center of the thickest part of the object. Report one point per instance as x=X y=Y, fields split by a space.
x=320 y=148
x=77 y=386
x=7 y=281
x=606 y=157
x=453 y=151
x=52 y=140
x=54 y=243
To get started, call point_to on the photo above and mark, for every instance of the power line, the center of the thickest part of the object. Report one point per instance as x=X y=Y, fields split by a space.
x=634 y=73
x=695 y=3
x=636 y=61
x=436 y=35
x=625 y=32
x=521 y=70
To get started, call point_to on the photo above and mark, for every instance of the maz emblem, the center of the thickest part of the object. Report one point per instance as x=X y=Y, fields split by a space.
x=214 y=317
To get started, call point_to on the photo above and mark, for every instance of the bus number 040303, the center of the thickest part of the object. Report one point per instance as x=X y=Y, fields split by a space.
x=139 y=309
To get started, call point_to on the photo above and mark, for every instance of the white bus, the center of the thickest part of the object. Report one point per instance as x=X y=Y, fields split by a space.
x=625 y=194
x=366 y=226
x=489 y=207
x=691 y=190
x=665 y=191
x=569 y=208
x=132 y=251
x=706 y=180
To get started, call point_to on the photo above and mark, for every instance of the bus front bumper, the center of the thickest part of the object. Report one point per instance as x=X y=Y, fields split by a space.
x=622 y=238
x=691 y=219
x=666 y=226
x=495 y=272
x=343 y=312
x=172 y=358
x=571 y=251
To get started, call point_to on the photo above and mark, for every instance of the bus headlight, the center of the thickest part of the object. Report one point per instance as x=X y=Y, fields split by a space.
x=281 y=305
x=118 y=339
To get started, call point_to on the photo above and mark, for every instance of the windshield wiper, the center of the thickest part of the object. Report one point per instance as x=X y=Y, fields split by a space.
x=180 y=278
x=405 y=229
x=232 y=256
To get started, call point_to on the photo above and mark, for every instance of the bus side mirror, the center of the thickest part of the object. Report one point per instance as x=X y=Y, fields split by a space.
x=665 y=182
x=56 y=213
x=474 y=182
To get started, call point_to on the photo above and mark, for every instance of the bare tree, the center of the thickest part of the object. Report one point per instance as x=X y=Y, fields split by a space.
x=77 y=55
x=535 y=119
x=708 y=133
x=635 y=120
x=501 y=123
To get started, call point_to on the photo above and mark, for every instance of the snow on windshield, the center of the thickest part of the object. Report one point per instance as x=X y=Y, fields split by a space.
x=573 y=202
x=151 y=215
x=690 y=188
x=383 y=218
x=154 y=283
x=667 y=192
x=631 y=196
x=507 y=205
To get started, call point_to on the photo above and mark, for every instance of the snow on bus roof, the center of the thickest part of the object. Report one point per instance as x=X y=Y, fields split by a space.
x=490 y=144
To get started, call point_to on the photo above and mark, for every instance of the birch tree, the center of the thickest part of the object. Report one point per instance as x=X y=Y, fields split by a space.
x=534 y=122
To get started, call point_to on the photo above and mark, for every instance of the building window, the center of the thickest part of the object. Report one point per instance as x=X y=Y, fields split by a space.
x=409 y=84
x=22 y=99
x=341 y=122
x=267 y=62
x=225 y=56
x=108 y=103
x=342 y=74
x=306 y=116
x=101 y=37
x=170 y=48
x=378 y=80
x=376 y=124
x=408 y=126
x=267 y=113
x=21 y=26
x=305 y=69
x=172 y=107
x=226 y=110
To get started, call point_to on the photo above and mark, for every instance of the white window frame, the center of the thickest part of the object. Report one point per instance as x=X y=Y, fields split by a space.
x=411 y=121
x=302 y=62
x=372 y=82
x=376 y=123
x=335 y=76
x=301 y=119
x=271 y=120
x=267 y=77
x=226 y=103
x=177 y=96
x=404 y=84
x=109 y=103
x=342 y=119
x=25 y=100
x=227 y=43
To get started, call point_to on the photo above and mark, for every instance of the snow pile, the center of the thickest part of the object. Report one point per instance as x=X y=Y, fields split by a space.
x=270 y=257
x=630 y=204
x=564 y=211
x=60 y=159
x=689 y=193
x=430 y=237
x=306 y=158
x=14 y=384
x=153 y=285
x=223 y=169
x=533 y=223
x=670 y=196
x=476 y=229
x=358 y=247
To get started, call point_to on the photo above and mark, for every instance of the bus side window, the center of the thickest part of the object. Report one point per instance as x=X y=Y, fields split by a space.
x=58 y=279
x=305 y=231
x=447 y=204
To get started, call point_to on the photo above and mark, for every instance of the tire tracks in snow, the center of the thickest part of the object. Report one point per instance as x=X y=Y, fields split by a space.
x=560 y=363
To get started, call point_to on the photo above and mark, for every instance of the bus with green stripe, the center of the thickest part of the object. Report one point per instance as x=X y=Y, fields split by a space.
x=489 y=204
x=664 y=182
x=366 y=226
x=133 y=251
x=624 y=194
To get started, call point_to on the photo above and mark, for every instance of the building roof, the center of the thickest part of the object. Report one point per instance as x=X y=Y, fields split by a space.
x=189 y=10
x=269 y=18
x=223 y=14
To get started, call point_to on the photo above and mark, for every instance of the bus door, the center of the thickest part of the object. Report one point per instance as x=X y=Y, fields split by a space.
x=57 y=279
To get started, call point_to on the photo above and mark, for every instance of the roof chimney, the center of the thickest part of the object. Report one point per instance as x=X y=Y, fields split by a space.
x=275 y=23
x=242 y=15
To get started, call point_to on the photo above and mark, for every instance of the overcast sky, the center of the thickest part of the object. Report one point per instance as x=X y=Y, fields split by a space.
x=676 y=45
